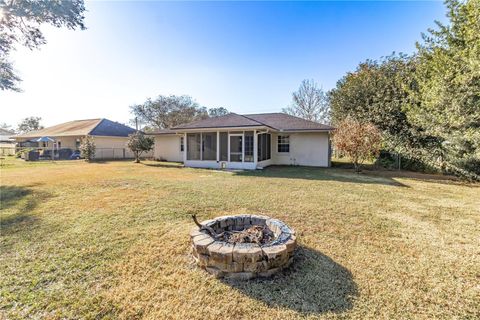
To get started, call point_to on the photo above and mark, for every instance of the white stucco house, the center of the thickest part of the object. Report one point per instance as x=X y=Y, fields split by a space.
x=251 y=141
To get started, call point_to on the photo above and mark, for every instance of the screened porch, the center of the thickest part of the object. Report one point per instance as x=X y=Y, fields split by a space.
x=227 y=149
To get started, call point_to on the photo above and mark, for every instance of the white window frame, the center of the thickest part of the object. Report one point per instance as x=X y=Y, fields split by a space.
x=283 y=137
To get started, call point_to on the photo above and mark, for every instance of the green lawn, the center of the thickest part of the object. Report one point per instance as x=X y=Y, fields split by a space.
x=110 y=240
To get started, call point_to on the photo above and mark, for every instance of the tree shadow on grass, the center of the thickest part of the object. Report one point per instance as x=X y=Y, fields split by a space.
x=169 y=165
x=314 y=284
x=23 y=200
x=320 y=174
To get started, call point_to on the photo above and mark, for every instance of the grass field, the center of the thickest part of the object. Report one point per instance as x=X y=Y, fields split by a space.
x=110 y=240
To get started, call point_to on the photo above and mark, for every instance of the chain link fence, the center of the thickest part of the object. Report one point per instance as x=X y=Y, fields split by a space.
x=35 y=153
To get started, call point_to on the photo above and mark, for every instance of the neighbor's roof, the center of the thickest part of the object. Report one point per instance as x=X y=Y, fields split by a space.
x=276 y=121
x=94 y=127
x=6 y=134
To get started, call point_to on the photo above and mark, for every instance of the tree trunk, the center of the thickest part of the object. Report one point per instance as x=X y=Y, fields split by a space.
x=356 y=166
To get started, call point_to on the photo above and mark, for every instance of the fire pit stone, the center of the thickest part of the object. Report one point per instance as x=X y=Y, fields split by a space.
x=214 y=251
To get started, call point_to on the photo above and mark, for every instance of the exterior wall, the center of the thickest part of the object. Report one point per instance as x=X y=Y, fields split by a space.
x=114 y=148
x=167 y=147
x=110 y=142
x=67 y=142
x=306 y=149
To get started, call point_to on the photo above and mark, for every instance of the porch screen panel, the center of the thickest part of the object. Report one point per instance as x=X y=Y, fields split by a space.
x=236 y=147
x=223 y=146
x=269 y=146
x=193 y=146
x=248 y=146
x=259 y=148
x=209 y=143
x=264 y=145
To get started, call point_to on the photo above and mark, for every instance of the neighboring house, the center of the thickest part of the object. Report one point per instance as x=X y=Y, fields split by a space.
x=110 y=138
x=7 y=144
x=251 y=141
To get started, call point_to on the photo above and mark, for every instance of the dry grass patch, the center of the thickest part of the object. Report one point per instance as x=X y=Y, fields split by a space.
x=110 y=240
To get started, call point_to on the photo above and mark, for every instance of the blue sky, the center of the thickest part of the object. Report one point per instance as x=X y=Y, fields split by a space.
x=245 y=56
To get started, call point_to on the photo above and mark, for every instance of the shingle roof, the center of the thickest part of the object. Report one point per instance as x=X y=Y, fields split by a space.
x=96 y=127
x=111 y=129
x=229 y=120
x=276 y=121
x=286 y=122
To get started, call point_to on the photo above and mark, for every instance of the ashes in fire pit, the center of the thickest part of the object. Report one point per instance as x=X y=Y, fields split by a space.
x=254 y=234
x=243 y=246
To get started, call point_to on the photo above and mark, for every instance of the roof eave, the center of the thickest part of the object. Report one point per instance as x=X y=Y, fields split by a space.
x=223 y=128
x=307 y=130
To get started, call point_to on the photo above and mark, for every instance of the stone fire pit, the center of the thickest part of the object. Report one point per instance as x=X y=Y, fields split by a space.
x=218 y=250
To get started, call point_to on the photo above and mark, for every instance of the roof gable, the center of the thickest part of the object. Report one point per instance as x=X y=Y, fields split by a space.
x=97 y=127
x=71 y=128
x=111 y=129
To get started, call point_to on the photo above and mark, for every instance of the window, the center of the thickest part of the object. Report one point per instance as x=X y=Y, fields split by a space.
x=182 y=147
x=263 y=147
x=209 y=146
x=248 y=146
x=283 y=143
x=193 y=146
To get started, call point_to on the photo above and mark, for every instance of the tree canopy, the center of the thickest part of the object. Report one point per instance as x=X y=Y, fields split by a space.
x=139 y=143
x=358 y=140
x=20 y=23
x=169 y=111
x=448 y=82
x=427 y=105
x=217 y=112
x=29 y=124
x=309 y=102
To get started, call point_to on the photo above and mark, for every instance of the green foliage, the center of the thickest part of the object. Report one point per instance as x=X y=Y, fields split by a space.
x=168 y=111
x=139 y=143
x=448 y=77
x=29 y=124
x=217 y=112
x=20 y=23
x=427 y=105
x=87 y=148
x=22 y=151
x=376 y=93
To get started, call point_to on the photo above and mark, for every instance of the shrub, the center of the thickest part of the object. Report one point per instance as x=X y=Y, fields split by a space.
x=87 y=148
x=357 y=140
x=138 y=142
